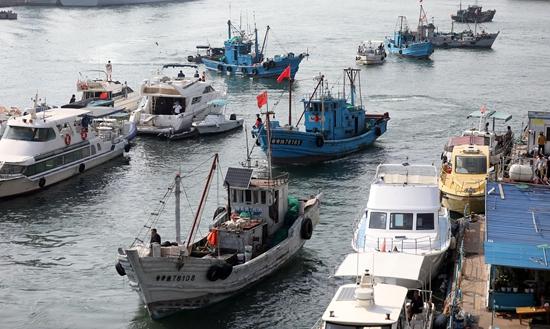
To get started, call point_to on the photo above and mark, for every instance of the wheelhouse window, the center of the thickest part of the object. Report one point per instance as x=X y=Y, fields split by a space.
x=248 y=196
x=378 y=220
x=165 y=105
x=471 y=165
x=11 y=169
x=263 y=197
x=208 y=89
x=329 y=325
x=196 y=100
x=29 y=134
x=425 y=221
x=401 y=221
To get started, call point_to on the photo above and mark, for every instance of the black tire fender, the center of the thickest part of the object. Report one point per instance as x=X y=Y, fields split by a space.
x=254 y=71
x=378 y=131
x=42 y=182
x=81 y=168
x=319 y=141
x=306 y=229
x=218 y=211
x=214 y=272
x=229 y=69
x=244 y=71
x=220 y=67
x=226 y=270
x=119 y=269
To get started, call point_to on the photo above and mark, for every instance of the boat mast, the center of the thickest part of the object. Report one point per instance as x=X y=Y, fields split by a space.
x=290 y=100
x=323 y=107
x=256 y=44
x=198 y=214
x=265 y=40
x=228 y=29
x=178 y=195
x=268 y=132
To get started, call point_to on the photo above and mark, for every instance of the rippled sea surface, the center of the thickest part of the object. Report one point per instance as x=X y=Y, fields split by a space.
x=57 y=247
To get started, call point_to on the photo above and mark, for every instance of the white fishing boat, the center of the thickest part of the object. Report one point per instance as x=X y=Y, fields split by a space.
x=216 y=122
x=371 y=52
x=369 y=304
x=41 y=149
x=404 y=216
x=170 y=105
x=259 y=230
x=101 y=91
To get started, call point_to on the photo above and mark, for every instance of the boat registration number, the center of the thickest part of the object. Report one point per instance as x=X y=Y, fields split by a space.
x=286 y=141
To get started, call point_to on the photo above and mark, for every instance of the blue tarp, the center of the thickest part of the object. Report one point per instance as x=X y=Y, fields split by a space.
x=518 y=226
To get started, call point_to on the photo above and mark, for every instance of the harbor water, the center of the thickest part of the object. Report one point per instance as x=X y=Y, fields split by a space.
x=58 y=246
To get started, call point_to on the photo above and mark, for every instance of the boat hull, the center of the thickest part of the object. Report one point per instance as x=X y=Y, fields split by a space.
x=370 y=59
x=23 y=184
x=420 y=50
x=448 y=41
x=258 y=70
x=457 y=203
x=171 y=284
x=298 y=147
x=99 y=3
x=212 y=129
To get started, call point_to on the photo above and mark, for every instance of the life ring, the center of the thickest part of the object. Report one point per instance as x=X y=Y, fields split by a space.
x=127 y=147
x=214 y=272
x=119 y=269
x=83 y=134
x=254 y=71
x=226 y=270
x=271 y=64
x=400 y=51
x=67 y=139
x=244 y=71
x=265 y=65
x=229 y=69
x=220 y=67
x=319 y=141
x=378 y=131
x=218 y=211
x=42 y=182
x=81 y=168
x=306 y=230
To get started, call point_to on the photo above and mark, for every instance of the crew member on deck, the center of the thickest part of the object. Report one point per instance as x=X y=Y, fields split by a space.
x=109 y=69
x=73 y=99
x=181 y=75
x=487 y=127
x=155 y=237
x=541 y=141
x=177 y=108
x=258 y=123
x=416 y=306
x=196 y=74
x=203 y=78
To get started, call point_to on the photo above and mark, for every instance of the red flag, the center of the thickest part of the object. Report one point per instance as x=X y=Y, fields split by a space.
x=262 y=99
x=284 y=75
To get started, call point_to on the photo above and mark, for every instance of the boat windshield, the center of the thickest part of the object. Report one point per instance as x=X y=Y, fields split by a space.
x=471 y=165
x=29 y=134
x=329 y=325
x=11 y=169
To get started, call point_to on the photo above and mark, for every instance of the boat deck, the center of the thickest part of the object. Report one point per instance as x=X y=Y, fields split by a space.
x=474 y=284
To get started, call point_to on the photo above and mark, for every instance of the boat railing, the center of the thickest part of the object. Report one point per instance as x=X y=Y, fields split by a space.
x=404 y=245
x=407 y=174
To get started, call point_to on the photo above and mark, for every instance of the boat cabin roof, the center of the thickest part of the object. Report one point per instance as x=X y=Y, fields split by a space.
x=382 y=265
x=345 y=309
x=466 y=140
x=406 y=174
x=471 y=150
x=501 y=116
x=48 y=118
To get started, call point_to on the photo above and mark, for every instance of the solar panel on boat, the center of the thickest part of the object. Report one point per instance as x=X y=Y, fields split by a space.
x=238 y=177
x=346 y=294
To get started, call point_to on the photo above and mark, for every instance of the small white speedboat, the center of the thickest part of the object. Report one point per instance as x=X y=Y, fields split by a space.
x=216 y=122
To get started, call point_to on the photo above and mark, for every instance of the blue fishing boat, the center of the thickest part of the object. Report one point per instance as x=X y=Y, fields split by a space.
x=406 y=43
x=334 y=126
x=242 y=56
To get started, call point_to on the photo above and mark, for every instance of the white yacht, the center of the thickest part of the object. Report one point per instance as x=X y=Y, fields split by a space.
x=100 y=3
x=163 y=97
x=41 y=149
x=101 y=91
x=368 y=304
x=258 y=231
x=404 y=216
x=371 y=52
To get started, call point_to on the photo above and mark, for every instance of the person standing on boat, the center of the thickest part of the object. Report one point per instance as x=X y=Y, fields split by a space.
x=177 y=108
x=73 y=99
x=109 y=69
x=203 y=77
x=541 y=141
x=181 y=74
x=196 y=74
x=258 y=123
x=487 y=127
x=416 y=306
x=155 y=237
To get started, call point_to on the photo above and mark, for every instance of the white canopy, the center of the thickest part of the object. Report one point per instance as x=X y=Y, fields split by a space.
x=383 y=265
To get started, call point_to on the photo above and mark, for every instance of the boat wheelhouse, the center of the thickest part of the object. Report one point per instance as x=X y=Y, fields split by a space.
x=473 y=14
x=404 y=215
x=170 y=105
x=101 y=91
x=463 y=178
x=335 y=126
x=242 y=55
x=260 y=228
x=39 y=150
x=369 y=304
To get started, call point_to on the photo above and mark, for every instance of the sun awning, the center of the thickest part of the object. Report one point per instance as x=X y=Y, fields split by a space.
x=383 y=264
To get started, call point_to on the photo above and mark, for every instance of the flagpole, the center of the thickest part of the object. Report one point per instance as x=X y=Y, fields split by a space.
x=268 y=132
x=290 y=101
